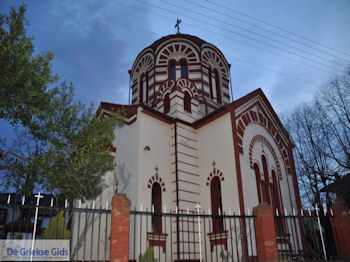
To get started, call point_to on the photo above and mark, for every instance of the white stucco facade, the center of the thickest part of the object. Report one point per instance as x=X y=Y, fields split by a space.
x=182 y=147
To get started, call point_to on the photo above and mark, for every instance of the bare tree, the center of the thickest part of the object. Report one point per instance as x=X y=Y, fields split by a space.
x=320 y=132
x=333 y=104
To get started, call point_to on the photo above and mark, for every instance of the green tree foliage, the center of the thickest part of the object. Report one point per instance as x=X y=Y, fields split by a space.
x=56 y=228
x=148 y=256
x=62 y=146
x=25 y=78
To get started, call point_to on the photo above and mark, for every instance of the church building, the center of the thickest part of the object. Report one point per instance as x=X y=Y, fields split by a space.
x=187 y=142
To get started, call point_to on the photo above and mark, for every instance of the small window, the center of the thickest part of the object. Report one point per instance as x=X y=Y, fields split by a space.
x=210 y=84
x=145 y=87
x=216 y=204
x=275 y=192
x=183 y=69
x=187 y=102
x=141 y=89
x=166 y=103
x=266 y=182
x=172 y=71
x=258 y=182
x=157 y=207
x=217 y=86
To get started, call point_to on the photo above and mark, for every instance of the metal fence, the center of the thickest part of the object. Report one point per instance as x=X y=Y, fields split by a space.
x=88 y=229
x=186 y=236
x=308 y=236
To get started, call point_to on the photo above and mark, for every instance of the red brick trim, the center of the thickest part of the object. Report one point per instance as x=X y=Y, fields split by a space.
x=157 y=239
x=239 y=174
x=218 y=238
x=262 y=139
x=119 y=239
x=265 y=233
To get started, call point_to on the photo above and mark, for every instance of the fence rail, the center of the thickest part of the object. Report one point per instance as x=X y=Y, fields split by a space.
x=88 y=229
x=191 y=237
x=176 y=236
x=306 y=237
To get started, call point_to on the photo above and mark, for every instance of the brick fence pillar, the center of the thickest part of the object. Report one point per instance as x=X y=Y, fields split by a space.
x=119 y=245
x=265 y=233
x=341 y=228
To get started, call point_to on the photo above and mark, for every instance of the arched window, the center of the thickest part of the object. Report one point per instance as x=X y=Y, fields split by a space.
x=143 y=88
x=166 y=103
x=216 y=204
x=217 y=86
x=266 y=182
x=210 y=83
x=275 y=193
x=157 y=207
x=172 y=70
x=184 y=69
x=258 y=182
x=187 y=102
x=277 y=202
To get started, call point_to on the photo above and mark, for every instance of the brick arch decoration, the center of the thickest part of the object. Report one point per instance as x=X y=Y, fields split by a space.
x=188 y=52
x=263 y=140
x=156 y=178
x=146 y=59
x=252 y=116
x=167 y=85
x=214 y=173
x=183 y=83
x=209 y=54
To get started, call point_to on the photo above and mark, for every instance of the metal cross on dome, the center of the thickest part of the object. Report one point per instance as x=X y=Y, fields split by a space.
x=177 y=26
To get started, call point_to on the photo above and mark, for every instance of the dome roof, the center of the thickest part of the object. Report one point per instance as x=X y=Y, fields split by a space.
x=194 y=39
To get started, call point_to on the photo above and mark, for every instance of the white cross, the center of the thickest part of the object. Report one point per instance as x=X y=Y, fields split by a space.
x=38 y=196
x=197 y=207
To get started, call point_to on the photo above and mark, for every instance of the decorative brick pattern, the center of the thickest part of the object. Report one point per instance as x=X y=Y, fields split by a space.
x=211 y=56
x=167 y=86
x=145 y=62
x=216 y=172
x=264 y=141
x=158 y=179
x=182 y=84
x=252 y=116
x=341 y=229
x=265 y=233
x=119 y=246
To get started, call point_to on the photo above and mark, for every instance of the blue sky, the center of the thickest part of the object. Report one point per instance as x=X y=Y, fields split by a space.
x=96 y=42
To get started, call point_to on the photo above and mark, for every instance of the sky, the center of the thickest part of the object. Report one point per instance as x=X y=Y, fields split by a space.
x=289 y=48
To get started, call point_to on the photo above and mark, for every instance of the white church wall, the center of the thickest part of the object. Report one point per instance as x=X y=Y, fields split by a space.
x=157 y=135
x=216 y=144
x=127 y=158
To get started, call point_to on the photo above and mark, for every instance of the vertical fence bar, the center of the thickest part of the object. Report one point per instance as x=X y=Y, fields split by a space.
x=183 y=238
x=105 y=255
x=141 y=230
x=236 y=237
x=257 y=253
x=165 y=220
x=134 y=240
x=171 y=236
x=322 y=240
x=204 y=238
x=99 y=233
